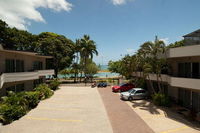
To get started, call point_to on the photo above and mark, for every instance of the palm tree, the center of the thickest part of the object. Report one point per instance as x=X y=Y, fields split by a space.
x=153 y=50
x=87 y=49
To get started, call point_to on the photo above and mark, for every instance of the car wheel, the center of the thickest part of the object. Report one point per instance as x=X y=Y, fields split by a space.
x=130 y=98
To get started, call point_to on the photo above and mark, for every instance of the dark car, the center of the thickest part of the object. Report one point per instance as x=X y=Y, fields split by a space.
x=123 y=87
x=102 y=84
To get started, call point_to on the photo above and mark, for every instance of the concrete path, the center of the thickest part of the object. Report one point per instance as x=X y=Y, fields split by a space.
x=123 y=119
x=69 y=110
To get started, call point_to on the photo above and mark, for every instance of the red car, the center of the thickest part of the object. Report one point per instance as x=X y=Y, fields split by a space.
x=123 y=87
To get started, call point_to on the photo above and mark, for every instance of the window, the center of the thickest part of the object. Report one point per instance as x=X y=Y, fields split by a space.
x=140 y=91
x=10 y=65
x=195 y=70
x=185 y=70
x=195 y=101
x=184 y=97
x=15 y=88
x=14 y=65
x=19 y=66
x=188 y=70
x=37 y=65
x=37 y=82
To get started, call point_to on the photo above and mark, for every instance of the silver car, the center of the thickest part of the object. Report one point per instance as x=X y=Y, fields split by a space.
x=135 y=93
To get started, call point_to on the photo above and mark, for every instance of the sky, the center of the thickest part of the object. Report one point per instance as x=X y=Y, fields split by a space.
x=118 y=27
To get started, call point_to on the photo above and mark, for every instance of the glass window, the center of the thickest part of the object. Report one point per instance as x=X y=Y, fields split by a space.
x=195 y=70
x=184 y=97
x=10 y=65
x=19 y=66
x=37 y=65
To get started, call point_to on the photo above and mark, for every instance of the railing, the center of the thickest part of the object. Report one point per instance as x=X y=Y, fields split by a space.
x=190 y=83
x=23 y=76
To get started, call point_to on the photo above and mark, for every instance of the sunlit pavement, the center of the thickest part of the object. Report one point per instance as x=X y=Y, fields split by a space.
x=123 y=119
x=69 y=110
x=161 y=120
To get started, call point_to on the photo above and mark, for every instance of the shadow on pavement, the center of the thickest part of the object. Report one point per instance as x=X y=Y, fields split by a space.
x=145 y=105
x=168 y=112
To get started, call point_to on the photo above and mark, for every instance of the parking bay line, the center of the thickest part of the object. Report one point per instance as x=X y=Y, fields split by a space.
x=175 y=130
x=50 y=119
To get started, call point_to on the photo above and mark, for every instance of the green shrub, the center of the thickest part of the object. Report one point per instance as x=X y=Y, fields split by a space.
x=161 y=99
x=54 y=84
x=44 y=91
x=16 y=105
x=141 y=83
x=32 y=98
x=9 y=113
x=15 y=99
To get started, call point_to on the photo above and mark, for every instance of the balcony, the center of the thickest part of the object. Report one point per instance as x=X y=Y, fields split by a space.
x=185 y=82
x=23 y=76
x=186 y=51
x=164 y=77
x=189 y=83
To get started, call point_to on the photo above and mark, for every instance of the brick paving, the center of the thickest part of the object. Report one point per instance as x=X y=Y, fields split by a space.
x=123 y=119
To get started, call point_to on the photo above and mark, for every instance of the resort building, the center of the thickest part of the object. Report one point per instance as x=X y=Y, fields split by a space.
x=182 y=82
x=22 y=71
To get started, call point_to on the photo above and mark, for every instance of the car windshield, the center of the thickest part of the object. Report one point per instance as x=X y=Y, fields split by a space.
x=131 y=91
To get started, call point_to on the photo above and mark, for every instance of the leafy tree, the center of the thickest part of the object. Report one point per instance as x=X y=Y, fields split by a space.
x=59 y=47
x=176 y=44
x=115 y=66
x=65 y=72
x=91 y=69
x=151 y=61
x=15 y=39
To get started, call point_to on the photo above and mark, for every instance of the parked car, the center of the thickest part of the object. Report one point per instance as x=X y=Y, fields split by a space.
x=102 y=84
x=135 y=93
x=123 y=87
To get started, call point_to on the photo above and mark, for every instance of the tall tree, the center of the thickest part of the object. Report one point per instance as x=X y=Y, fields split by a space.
x=87 y=50
x=16 y=39
x=154 y=51
x=57 y=46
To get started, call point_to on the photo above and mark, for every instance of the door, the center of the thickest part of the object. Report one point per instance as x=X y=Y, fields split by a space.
x=195 y=70
x=137 y=95
x=19 y=66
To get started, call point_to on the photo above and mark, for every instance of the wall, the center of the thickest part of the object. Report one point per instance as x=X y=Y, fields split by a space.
x=28 y=60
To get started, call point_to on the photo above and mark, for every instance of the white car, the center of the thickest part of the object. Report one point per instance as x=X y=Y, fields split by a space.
x=135 y=93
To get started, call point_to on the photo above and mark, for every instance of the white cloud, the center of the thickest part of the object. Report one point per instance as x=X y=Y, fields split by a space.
x=130 y=51
x=165 y=40
x=120 y=2
x=18 y=13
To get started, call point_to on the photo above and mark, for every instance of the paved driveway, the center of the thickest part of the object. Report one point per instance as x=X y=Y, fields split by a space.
x=69 y=110
x=123 y=119
x=162 y=120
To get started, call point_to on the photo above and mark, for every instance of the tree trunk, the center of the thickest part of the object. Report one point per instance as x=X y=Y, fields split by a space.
x=81 y=76
x=56 y=72
x=75 y=77
x=158 y=82
x=151 y=85
x=85 y=70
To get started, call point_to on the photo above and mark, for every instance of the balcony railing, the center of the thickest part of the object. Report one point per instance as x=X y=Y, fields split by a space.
x=190 y=83
x=186 y=51
x=23 y=76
